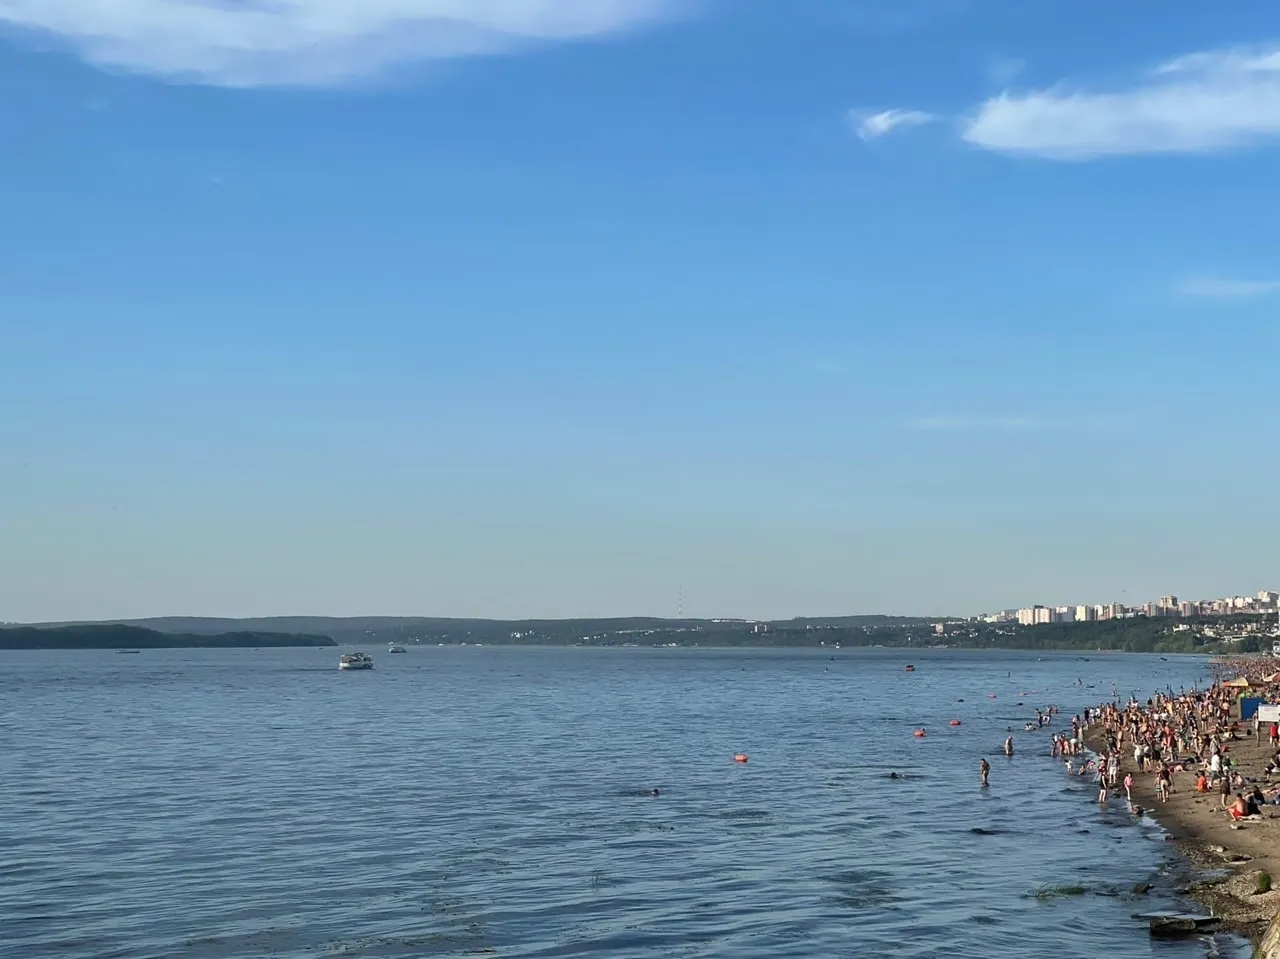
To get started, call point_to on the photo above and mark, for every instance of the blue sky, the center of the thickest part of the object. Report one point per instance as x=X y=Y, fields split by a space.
x=514 y=308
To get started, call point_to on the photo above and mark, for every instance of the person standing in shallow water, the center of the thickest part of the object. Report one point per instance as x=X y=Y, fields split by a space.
x=1008 y=746
x=984 y=770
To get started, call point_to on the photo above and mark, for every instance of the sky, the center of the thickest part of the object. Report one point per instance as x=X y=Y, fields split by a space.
x=515 y=308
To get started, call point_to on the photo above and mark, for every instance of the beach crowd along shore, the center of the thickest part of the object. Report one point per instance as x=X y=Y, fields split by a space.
x=1211 y=778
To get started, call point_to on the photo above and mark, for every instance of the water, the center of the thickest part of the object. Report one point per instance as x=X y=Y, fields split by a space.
x=471 y=801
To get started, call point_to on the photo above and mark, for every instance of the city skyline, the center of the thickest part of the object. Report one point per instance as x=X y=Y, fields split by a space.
x=510 y=309
x=1263 y=602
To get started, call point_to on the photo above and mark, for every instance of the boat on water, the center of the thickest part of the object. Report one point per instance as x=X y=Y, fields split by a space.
x=393 y=648
x=128 y=652
x=355 y=661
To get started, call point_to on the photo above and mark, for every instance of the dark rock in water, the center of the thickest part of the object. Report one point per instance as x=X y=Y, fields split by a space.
x=1142 y=888
x=979 y=831
x=1175 y=927
x=1172 y=928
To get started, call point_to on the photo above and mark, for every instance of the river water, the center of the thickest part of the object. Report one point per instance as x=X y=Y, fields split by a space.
x=495 y=801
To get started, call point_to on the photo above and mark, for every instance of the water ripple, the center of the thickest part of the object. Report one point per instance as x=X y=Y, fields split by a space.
x=470 y=802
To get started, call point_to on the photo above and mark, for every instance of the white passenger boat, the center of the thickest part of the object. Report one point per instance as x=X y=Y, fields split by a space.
x=355 y=661
x=393 y=648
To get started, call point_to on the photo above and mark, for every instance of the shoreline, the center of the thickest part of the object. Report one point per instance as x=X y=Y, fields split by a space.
x=1224 y=855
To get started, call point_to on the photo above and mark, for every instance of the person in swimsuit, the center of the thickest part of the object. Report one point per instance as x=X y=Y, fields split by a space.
x=1008 y=746
x=1238 y=808
x=984 y=770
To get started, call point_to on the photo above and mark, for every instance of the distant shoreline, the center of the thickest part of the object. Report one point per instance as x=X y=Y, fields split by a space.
x=109 y=636
x=1206 y=635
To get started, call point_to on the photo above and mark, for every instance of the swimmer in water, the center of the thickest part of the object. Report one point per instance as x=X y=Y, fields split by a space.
x=984 y=770
x=894 y=776
x=654 y=792
x=1008 y=746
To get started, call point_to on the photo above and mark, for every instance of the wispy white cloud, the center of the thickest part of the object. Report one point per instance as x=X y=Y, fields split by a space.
x=1092 y=423
x=972 y=423
x=893 y=16
x=311 y=42
x=1006 y=70
x=1217 y=288
x=871 y=126
x=1202 y=103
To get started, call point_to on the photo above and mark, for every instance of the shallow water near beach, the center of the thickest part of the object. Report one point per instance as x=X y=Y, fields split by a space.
x=469 y=801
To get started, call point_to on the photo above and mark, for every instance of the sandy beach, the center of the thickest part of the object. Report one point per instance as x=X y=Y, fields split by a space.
x=1227 y=855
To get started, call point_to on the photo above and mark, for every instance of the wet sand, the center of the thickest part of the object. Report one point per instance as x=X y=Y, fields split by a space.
x=1227 y=854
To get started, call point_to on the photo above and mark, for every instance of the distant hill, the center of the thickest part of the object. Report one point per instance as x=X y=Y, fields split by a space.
x=639 y=630
x=1204 y=635
x=122 y=636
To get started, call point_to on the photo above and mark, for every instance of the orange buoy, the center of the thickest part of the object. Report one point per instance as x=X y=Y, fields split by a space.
x=740 y=757
x=919 y=733
x=955 y=722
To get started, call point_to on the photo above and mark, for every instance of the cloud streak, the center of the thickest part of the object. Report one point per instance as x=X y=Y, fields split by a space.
x=935 y=423
x=872 y=126
x=1216 y=288
x=1203 y=103
x=247 y=43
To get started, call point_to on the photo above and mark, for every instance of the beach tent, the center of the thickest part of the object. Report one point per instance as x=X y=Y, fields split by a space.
x=1238 y=683
x=1274 y=677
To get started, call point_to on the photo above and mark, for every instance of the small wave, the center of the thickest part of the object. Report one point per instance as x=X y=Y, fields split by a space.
x=745 y=814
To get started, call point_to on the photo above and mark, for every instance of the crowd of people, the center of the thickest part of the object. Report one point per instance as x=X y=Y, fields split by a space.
x=1188 y=733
